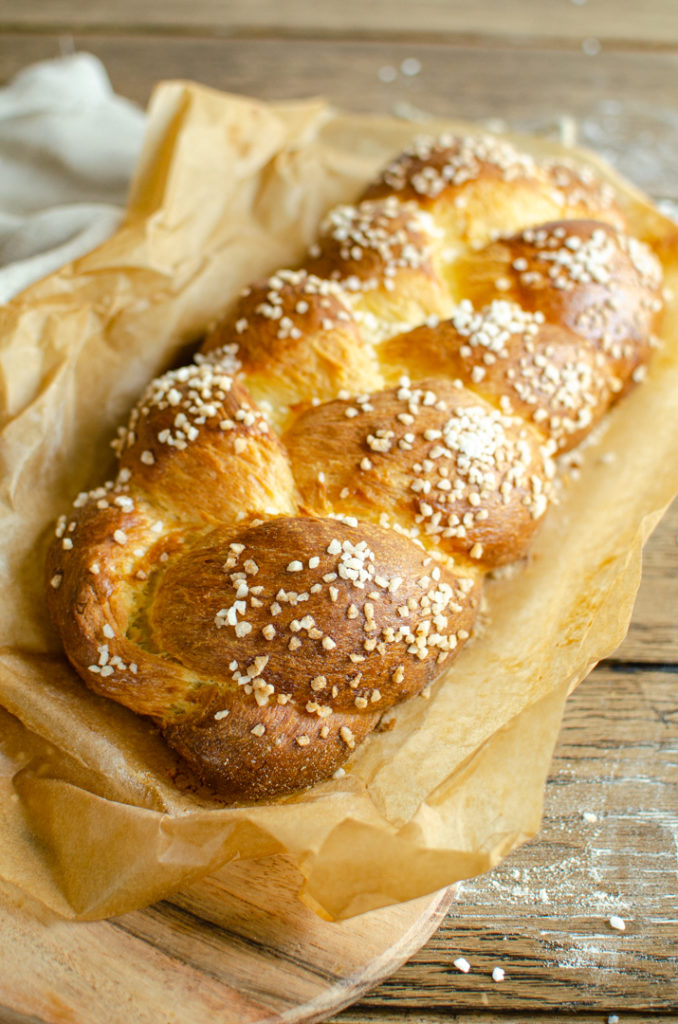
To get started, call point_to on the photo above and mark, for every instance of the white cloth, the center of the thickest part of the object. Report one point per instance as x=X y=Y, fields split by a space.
x=68 y=146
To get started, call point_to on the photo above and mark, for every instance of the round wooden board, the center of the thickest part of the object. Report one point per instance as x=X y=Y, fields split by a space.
x=237 y=948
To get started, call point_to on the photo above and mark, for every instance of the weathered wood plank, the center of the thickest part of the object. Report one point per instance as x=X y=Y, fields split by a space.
x=618 y=754
x=426 y=1016
x=654 y=22
x=608 y=846
x=622 y=101
x=653 y=634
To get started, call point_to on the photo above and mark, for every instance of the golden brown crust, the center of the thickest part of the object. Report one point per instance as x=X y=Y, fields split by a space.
x=431 y=457
x=299 y=631
x=559 y=382
x=600 y=283
x=296 y=341
x=302 y=520
x=583 y=194
x=253 y=753
x=263 y=609
x=479 y=187
x=99 y=569
x=309 y=629
x=198 y=422
x=384 y=254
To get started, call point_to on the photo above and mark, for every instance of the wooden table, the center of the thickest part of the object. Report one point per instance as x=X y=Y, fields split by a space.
x=609 y=844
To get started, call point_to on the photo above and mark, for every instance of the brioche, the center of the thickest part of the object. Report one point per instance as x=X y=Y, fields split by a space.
x=303 y=517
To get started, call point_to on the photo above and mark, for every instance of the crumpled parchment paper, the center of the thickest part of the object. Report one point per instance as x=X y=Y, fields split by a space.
x=227 y=190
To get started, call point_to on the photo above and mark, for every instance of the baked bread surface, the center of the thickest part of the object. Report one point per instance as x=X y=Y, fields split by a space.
x=303 y=517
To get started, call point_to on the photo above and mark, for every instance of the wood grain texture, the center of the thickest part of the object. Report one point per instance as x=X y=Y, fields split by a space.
x=543 y=915
x=653 y=634
x=609 y=846
x=239 y=944
x=654 y=22
x=621 y=101
x=426 y=1016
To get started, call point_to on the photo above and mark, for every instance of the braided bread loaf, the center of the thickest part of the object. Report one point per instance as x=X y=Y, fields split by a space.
x=298 y=533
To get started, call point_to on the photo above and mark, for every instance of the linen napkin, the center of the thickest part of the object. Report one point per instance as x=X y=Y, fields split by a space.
x=68 y=146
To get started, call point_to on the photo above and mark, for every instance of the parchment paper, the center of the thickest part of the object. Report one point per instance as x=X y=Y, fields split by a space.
x=92 y=823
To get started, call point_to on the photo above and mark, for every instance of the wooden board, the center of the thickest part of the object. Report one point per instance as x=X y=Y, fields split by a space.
x=239 y=944
x=543 y=915
x=238 y=947
x=618 y=753
x=655 y=21
x=652 y=638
